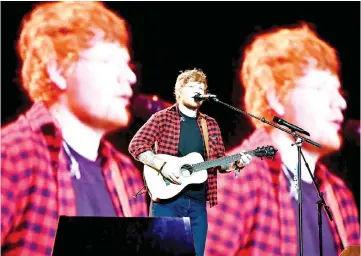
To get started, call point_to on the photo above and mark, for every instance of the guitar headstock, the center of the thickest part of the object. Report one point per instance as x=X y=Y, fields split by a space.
x=265 y=151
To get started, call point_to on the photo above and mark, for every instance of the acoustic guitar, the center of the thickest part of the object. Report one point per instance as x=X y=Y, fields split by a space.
x=193 y=170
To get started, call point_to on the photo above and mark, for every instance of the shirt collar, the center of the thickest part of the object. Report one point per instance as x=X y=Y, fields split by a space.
x=41 y=120
x=175 y=108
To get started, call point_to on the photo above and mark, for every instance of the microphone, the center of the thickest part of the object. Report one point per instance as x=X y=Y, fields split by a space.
x=293 y=127
x=200 y=97
x=351 y=131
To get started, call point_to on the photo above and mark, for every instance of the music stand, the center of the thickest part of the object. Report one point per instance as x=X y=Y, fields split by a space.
x=123 y=236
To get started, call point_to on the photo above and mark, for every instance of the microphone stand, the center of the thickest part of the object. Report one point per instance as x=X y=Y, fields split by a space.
x=319 y=203
x=299 y=141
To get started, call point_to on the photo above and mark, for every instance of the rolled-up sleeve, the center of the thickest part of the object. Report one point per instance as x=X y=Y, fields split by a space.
x=145 y=138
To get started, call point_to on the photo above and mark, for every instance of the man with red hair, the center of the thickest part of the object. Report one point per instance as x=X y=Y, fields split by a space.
x=293 y=74
x=180 y=130
x=55 y=161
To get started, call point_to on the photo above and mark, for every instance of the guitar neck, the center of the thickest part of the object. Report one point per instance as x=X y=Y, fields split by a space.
x=219 y=162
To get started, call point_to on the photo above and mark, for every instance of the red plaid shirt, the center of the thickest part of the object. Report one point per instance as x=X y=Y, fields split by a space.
x=256 y=217
x=164 y=127
x=36 y=186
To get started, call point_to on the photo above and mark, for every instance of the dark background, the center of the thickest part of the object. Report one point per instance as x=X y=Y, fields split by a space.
x=173 y=36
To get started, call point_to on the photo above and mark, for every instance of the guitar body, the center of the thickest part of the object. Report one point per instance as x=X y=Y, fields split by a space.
x=193 y=170
x=161 y=188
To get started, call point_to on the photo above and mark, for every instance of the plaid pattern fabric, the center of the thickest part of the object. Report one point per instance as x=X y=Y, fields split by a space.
x=255 y=216
x=164 y=127
x=36 y=186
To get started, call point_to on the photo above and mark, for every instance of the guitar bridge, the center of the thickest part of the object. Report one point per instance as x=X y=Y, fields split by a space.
x=167 y=182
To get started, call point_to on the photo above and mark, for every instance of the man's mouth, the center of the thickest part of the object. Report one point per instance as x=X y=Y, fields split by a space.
x=125 y=99
x=337 y=123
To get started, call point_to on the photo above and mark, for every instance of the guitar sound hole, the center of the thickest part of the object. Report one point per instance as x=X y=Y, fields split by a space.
x=186 y=170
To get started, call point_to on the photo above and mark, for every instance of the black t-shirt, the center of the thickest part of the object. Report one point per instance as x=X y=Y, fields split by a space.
x=191 y=141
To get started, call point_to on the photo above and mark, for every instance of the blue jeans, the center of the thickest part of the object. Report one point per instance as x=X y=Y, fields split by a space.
x=185 y=207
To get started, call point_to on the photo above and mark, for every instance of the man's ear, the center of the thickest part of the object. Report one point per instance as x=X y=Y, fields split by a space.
x=274 y=102
x=56 y=75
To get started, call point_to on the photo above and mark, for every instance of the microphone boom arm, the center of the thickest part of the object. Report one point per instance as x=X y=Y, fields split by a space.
x=293 y=133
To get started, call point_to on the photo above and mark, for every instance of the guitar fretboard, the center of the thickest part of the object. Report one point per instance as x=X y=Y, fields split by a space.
x=218 y=162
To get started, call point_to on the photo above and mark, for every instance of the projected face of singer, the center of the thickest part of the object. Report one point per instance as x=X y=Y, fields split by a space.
x=187 y=93
x=98 y=88
x=316 y=104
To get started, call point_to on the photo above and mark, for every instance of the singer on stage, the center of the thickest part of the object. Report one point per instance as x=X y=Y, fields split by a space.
x=178 y=131
x=293 y=74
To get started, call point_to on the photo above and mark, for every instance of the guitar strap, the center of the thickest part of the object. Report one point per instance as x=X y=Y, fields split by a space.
x=205 y=134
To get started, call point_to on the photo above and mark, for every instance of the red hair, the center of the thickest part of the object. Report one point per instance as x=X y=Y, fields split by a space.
x=276 y=59
x=189 y=75
x=59 y=31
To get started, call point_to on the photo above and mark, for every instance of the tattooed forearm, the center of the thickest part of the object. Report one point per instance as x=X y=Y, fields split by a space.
x=150 y=159
x=147 y=158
